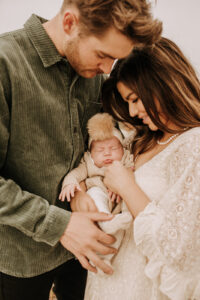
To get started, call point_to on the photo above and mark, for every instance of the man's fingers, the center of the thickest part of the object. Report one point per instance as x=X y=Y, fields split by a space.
x=99 y=216
x=99 y=263
x=103 y=250
x=96 y=262
x=86 y=264
x=105 y=238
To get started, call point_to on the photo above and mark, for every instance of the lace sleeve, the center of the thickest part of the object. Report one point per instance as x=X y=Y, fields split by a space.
x=169 y=233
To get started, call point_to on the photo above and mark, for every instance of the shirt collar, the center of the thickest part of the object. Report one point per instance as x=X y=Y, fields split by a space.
x=41 y=41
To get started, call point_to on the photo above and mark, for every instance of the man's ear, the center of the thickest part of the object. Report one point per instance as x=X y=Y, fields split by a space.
x=70 y=22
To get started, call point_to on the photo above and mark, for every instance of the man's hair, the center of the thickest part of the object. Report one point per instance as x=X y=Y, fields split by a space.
x=132 y=18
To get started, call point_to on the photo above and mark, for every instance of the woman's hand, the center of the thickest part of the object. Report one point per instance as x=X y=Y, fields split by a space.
x=121 y=181
x=117 y=177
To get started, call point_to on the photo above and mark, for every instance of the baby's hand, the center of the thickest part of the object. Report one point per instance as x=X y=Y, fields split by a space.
x=113 y=197
x=68 y=191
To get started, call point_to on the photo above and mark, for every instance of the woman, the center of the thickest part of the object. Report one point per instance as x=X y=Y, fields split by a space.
x=157 y=91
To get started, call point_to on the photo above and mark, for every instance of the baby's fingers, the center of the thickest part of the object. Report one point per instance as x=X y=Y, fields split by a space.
x=110 y=194
x=78 y=188
x=118 y=199
x=68 y=196
x=62 y=197
x=113 y=197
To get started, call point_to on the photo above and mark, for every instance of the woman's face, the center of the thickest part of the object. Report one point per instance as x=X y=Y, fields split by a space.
x=135 y=105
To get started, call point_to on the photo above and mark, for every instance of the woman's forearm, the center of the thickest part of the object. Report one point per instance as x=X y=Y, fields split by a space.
x=121 y=181
x=135 y=199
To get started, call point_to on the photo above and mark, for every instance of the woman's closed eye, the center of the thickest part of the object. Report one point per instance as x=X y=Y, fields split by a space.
x=134 y=100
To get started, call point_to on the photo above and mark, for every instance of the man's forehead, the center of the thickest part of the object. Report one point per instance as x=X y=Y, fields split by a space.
x=113 y=44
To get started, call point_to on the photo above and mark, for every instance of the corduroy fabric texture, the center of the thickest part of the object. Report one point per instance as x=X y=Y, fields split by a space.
x=44 y=109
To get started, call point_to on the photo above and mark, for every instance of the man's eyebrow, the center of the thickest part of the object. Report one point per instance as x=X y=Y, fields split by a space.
x=107 y=55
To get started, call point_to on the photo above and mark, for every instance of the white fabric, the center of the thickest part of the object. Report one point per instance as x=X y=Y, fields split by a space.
x=161 y=260
x=116 y=226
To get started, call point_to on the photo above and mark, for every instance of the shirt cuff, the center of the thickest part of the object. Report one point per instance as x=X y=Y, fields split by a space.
x=53 y=226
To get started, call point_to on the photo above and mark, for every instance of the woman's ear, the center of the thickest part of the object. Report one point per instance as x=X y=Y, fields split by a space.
x=70 y=22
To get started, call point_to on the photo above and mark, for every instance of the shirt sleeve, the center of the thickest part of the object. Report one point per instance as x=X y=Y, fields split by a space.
x=27 y=212
x=168 y=233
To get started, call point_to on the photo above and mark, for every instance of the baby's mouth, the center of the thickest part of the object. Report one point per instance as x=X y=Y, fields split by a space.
x=108 y=161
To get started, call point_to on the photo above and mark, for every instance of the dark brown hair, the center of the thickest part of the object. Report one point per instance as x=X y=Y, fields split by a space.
x=132 y=18
x=160 y=72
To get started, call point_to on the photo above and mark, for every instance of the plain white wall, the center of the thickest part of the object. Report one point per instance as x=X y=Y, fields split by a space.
x=181 y=23
x=180 y=19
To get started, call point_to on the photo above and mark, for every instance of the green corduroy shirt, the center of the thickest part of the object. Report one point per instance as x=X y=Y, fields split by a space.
x=44 y=109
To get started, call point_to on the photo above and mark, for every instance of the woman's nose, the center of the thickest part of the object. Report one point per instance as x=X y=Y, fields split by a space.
x=133 y=109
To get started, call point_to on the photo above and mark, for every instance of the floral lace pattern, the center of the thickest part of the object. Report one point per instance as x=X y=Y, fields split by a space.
x=163 y=254
x=172 y=240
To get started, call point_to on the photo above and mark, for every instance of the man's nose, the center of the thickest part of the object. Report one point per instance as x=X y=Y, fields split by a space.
x=106 y=65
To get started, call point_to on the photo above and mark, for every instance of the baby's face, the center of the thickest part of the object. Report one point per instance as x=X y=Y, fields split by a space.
x=105 y=152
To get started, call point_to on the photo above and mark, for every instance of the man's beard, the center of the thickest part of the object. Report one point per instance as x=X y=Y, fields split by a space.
x=71 y=50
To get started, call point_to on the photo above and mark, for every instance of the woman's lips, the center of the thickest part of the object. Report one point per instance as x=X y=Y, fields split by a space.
x=144 y=119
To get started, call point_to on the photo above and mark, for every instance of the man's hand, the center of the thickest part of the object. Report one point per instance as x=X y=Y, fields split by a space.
x=84 y=239
x=82 y=202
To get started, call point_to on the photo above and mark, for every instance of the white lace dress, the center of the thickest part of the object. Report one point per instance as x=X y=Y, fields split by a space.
x=160 y=254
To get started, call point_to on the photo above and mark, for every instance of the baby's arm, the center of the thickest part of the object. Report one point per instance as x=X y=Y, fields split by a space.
x=68 y=191
x=71 y=181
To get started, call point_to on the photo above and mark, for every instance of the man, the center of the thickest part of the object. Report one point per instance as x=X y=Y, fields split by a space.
x=49 y=87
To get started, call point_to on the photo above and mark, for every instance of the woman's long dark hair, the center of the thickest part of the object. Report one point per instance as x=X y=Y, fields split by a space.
x=160 y=72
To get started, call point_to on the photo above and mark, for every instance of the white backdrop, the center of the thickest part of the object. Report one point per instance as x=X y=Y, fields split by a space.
x=180 y=19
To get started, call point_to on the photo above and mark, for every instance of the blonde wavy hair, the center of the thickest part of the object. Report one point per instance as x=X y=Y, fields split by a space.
x=132 y=18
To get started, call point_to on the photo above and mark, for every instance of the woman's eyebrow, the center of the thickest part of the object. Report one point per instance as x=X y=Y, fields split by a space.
x=129 y=95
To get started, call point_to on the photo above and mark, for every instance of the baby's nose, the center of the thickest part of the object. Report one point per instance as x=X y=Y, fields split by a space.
x=107 y=152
